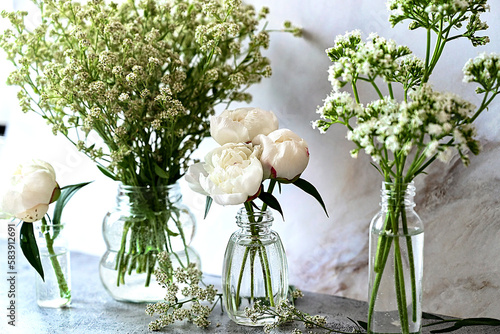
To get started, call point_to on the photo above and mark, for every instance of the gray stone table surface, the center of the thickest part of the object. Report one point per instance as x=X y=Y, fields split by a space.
x=94 y=311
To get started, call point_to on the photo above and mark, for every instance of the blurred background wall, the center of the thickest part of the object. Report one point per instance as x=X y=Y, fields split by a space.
x=459 y=206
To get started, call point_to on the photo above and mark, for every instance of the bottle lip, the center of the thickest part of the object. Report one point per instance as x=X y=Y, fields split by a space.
x=262 y=217
x=390 y=187
x=171 y=192
x=131 y=188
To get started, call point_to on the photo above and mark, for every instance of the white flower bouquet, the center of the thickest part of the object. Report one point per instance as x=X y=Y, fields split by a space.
x=133 y=85
x=253 y=150
x=409 y=126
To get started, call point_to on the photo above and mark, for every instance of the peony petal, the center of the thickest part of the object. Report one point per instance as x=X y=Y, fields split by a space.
x=230 y=199
x=285 y=155
x=33 y=214
x=30 y=190
x=192 y=177
x=224 y=130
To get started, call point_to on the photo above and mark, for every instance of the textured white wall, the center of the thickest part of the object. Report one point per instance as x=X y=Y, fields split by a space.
x=459 y=205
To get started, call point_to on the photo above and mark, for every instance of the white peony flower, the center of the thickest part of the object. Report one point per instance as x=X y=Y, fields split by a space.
x=231 y=174
x=285 y=155
x=242 y=125
x=32 y=188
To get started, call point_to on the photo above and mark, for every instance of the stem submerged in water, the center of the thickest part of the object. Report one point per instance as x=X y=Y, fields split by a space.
x=64 y=291
x=393 y=231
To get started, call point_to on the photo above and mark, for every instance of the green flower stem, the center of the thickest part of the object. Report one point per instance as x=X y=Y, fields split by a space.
x=240 y=277
x=355 y=91
x=266 y=272
x=64 y=291
x=484 y=105
x=391 y=226
x=252 y=274
x=267 y=276
x=400 y=287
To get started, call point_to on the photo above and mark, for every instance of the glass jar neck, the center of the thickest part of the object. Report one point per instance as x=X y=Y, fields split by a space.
x=156 y=198
x=397 y=195
x=255 y=223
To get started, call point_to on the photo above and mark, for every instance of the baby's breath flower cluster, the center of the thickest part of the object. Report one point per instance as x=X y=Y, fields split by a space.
x=285 y=313
x=185 y=299
x=144 y=76
x=426 y=125
x=133 y=86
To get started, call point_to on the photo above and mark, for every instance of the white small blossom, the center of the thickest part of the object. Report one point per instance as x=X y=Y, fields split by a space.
x=123 y=97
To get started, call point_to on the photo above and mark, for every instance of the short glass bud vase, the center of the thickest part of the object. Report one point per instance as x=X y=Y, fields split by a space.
x=396 y=263
x=55 y=290
x=255 y=268
x=145 y=222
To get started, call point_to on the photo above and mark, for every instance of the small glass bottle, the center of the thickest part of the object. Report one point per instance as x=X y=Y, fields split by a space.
x=255 y=268
x=396 y=263
x=55 y=290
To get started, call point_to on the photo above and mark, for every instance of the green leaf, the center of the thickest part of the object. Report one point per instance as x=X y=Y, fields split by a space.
x=66 y=193
x=108 y=173
x=208 y=204
x=311 y=190
x=160 y=172
x=363 y=324
x=171 y=233
x=29 y=247
x=429 y=316
x=271 y=201
x=468 y=322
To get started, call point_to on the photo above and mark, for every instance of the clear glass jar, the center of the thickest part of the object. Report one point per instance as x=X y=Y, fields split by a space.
x=255 y=267
x=396 y=263
x=55 y=290
x=145 y=222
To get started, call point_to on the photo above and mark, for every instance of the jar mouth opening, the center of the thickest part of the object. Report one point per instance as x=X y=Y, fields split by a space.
x=169 y=192
x=132 y=188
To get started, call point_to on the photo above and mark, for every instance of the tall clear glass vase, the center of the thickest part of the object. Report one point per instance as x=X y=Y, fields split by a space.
x=55 y=290
x=396 y=263
x=255 y=267
x=145 y=222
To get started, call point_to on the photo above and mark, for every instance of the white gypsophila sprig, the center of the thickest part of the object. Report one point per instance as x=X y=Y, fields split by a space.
x=157 y=69
x=285 y=313
x=353 y=58
x=430 y=121
x=194 y=303
x=484 y=70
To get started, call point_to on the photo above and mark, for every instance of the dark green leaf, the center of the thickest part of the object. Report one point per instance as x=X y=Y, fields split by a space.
x=29 y=247
x=107 y=173
x=429 y=316
x=479 y=322
x=255 y=206
x=363 y=324
x=171 y=233
x=208 y=204
x=311 y=190
x=271 y=201
x=468 y=322
x=160 y=172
